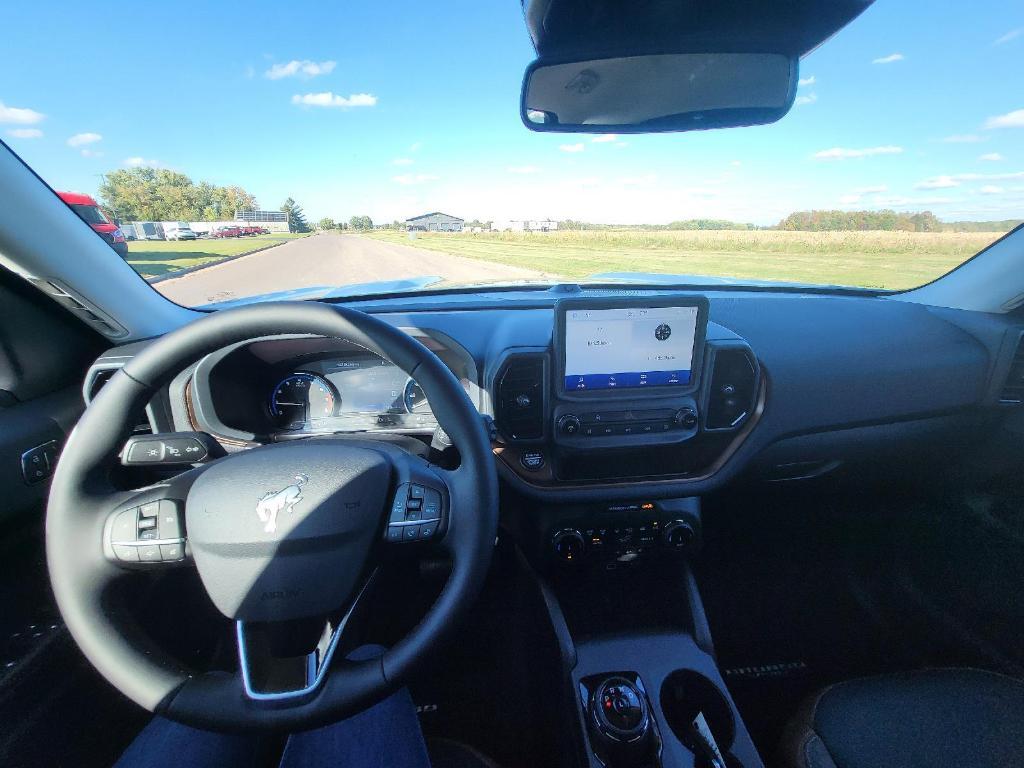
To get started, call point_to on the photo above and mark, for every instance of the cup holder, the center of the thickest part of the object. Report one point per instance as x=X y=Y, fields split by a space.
x=684 y=695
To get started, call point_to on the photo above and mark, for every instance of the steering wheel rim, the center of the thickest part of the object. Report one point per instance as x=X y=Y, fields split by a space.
x=81 y=500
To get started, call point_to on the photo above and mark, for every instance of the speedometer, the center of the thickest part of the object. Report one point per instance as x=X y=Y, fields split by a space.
x=303 y=398
x=415 y=399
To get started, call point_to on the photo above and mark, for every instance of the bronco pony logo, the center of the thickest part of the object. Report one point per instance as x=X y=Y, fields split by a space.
x=275 y=502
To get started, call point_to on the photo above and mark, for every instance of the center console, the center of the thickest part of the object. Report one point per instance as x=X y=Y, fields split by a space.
x=630 y=389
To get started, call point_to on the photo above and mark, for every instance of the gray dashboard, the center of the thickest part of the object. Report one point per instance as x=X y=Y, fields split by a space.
x=837 y=376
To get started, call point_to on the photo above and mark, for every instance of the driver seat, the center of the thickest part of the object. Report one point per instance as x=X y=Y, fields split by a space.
x=927 y=719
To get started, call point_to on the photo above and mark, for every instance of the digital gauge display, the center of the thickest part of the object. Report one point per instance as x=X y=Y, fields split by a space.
x=301 y=399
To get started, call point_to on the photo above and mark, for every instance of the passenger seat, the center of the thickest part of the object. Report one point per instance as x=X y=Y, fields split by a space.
x=929 y=719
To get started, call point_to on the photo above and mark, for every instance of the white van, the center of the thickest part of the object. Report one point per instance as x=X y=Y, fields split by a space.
x=178 y=230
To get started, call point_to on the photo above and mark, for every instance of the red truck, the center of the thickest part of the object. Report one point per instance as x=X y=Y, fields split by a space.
x=227 y=232
x=90 y=212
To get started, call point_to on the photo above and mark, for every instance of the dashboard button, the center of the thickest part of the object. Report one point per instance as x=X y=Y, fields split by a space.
x=532 y=460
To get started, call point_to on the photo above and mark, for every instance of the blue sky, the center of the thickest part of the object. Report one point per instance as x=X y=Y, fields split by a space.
x=394 y=109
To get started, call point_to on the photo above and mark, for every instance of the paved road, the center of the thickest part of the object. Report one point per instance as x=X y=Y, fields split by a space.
x=327 y=260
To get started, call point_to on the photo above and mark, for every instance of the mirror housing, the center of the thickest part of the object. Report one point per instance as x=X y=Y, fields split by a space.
x=661 y=92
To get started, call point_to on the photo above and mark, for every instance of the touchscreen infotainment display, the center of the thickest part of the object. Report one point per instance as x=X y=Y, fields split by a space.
x=629 y=347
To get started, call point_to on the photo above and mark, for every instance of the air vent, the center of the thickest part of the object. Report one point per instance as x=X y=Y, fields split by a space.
x=81 y=308
x=731 y=396
x=96 y=379
x=520 y=398
x=1012 y=392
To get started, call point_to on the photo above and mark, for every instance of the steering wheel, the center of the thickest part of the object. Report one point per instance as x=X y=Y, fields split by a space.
x=285 y=537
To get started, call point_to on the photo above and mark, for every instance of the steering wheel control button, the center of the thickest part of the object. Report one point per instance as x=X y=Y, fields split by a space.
x=149 y=553
x=395 y=533
x=398 y=506
x=532 y=460
x=127 y=553
x=427 y=530
x=171 y=552
x=416 y=492
x=169 y=524
x=411 y=532
x=431 y=504
x=415 y=503
x=125 y=527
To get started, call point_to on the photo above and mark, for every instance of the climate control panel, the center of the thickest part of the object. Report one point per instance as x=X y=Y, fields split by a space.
x=627 y=532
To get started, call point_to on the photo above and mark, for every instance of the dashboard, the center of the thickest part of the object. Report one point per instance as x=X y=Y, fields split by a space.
x=602 y=395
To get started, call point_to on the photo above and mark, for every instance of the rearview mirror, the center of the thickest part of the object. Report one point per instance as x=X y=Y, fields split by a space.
x=659 y=92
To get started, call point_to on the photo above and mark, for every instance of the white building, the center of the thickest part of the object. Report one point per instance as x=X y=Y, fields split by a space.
x=527 y=225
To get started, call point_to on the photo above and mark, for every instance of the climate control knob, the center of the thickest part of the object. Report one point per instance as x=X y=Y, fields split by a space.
x=569 y=425
x=568 y=545
x=685 y=418
x=678 y=534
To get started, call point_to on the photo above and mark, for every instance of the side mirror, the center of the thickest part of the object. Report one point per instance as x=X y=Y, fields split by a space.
x=658 y=92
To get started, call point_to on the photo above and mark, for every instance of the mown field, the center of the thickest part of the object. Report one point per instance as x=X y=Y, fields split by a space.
x=152 y=258
x=889 y=260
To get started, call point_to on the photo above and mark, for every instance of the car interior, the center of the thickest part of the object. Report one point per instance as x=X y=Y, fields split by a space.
x=796 y=541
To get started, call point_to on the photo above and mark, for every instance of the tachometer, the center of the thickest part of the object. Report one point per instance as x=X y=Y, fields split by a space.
x=415 y=399
x=303 y=398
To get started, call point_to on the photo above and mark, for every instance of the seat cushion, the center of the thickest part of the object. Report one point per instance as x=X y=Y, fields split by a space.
x=928 y=719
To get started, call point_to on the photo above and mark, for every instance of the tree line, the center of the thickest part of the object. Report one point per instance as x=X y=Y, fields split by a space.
x=886 y=220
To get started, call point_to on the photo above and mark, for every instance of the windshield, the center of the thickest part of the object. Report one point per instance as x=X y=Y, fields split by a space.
x=90 y=214
x=366 y=148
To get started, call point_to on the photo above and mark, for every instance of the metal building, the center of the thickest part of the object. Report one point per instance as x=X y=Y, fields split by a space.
x=434 y=222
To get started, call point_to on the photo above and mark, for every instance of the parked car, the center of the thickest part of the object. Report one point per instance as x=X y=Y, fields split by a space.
x=128 y=230
x=178 y=230
x=227 y=231
x=90 y=212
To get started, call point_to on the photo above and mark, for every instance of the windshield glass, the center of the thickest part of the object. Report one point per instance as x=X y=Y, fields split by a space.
x=367 y=148
x=90 y=214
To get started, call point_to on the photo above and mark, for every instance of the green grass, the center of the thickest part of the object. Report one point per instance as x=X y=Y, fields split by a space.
x=891 y=260
x=152 y=258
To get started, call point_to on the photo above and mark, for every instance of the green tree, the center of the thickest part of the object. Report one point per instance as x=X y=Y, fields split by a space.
x=360 y=223
x=326 y=223
x=296 y=218
x=159 y=194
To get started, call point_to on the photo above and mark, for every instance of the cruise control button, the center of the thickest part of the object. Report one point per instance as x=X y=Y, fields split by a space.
x=171 y=552
x=398 y=505
x=170 y=522
x=416 y=492
x=125 y=527
x=149 y=553
x=152 y=509
x=126 y=553
x=432 y=504
x=415 y=503
x=151 y=535
x=147 y=523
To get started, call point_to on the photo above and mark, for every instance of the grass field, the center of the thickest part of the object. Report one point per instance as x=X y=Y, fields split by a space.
x=891 y=260
x=152 y=258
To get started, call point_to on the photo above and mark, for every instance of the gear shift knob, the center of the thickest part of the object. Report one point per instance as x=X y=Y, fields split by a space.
x=620 y=723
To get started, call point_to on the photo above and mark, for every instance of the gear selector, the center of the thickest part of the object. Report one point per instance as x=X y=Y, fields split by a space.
x=619 y=721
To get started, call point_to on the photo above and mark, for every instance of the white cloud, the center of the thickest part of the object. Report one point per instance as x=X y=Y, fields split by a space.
x=410 y=179
x=858 y=194
x=523 y=169
x=1013 y=119
x=900 y=202
x=736 y=163
x=964 y=138
x=875 y=190
x=416 y=146
x=19 y=115
x=939 y=182
x=1011 y=35
x=806 y=81
x=991 y=189
x=91 y=153
x=304 y=68
x=841 y=153
x=892 y=57
x=604 y=138
x=808 y=99
x=571 y=147
x=849 y=199
x=992 y=157
x=25 y=133
x=954 y=180
x=81 y=139
x=403 y=161
x=142 y=162
x=329 y=99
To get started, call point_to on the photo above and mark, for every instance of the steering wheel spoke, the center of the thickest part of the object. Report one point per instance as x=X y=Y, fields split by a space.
x=146 y=528
x=289 y=662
